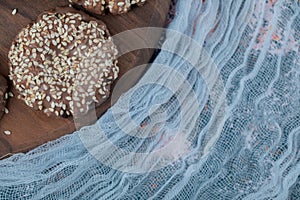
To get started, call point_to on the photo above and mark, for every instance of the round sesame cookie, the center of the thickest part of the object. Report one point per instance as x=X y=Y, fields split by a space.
x=3 y=95
x=113 y=6
x=63 y=63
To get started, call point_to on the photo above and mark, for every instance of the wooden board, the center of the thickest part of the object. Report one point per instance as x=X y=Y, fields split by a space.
x=32 y=128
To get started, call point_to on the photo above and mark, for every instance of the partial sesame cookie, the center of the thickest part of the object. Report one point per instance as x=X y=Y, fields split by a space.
x=94 y=6
x=114 y=6
x=118 y=6
x=3 y=95
x=63 y=63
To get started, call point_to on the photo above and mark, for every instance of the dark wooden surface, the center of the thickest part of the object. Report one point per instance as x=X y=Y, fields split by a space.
x=32 y=128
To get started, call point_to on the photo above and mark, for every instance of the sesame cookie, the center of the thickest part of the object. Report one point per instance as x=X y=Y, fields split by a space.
x=113 y=6
x=63 y=63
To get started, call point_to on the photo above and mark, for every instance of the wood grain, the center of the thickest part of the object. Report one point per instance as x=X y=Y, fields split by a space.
x=32 y=128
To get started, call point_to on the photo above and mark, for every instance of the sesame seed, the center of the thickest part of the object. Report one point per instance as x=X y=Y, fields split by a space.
x=68 y=98
x=7 y=132
x=14 y=11
x=121 y=4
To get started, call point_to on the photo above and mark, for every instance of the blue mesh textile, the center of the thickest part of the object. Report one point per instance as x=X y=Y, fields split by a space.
x=243 y=144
